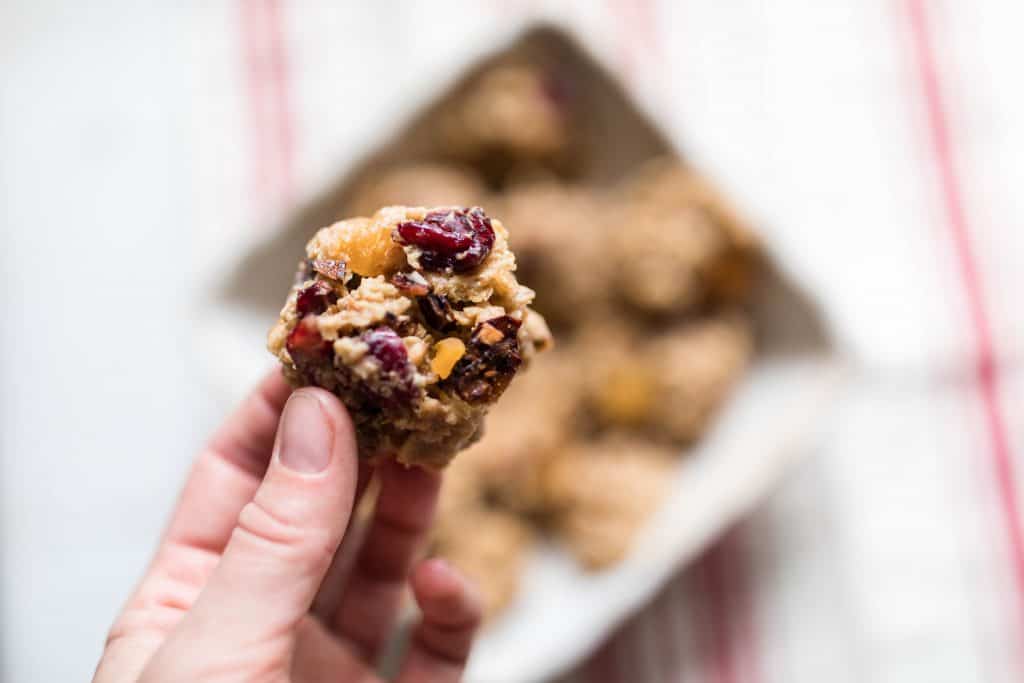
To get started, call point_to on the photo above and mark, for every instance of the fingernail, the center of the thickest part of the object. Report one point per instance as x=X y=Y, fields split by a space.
x=305 y=437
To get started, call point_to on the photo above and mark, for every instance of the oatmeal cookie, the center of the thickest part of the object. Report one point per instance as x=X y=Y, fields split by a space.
x=560 y=238
x=424 y=184
x=490 y=547
x=665 y=254
x=415 y=319
x=670 y=386
x=460 y=492
x=512 y=115
x=620 y=386
x=681 y=242
x=698 y=366
x=534 y=421
x=602 y=493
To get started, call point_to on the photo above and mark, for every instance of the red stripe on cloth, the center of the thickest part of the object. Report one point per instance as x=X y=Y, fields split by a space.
x=668 y=635
x=604 y=666
x=645 y=649
x=721 y=579
x=266 y=69
x=637 y=35
x=625 y=40
x=745 y=637
x=986 y=368
x=713 y=631
x=647 y=28
x=252 y=30
x=508 y=7
x=280 y=86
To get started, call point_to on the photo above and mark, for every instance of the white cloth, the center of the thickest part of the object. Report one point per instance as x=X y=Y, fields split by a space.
x=874 y=142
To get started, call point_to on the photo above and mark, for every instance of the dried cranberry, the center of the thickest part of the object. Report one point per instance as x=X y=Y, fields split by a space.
x=329 y=268
x=305 y=344
x=387 y=347
x=436 y=312
x=456 y=240
x=315 y=298
x=410 y=284
x=395 y=386
x=491 y=360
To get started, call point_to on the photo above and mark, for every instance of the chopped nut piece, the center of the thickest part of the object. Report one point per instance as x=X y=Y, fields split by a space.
x=411 y=283
x=331 y=268
x=489 y=334
x=447 y=353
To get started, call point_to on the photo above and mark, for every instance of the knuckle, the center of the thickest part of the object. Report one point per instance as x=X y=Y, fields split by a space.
x=259 y=522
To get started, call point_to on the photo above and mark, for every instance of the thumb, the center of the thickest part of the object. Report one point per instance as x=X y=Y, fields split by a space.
x=286 y=537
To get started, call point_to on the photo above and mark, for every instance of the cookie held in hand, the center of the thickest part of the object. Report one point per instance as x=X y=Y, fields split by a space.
x=415 y=319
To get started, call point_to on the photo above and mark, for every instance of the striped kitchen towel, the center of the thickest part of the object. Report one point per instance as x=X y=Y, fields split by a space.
x=876 y=143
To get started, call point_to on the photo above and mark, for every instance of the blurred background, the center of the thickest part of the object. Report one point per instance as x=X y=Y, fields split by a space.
x=147 y=147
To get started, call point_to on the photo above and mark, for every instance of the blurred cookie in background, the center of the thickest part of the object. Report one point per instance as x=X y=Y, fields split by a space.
x=602 y=492
x=698 y=364
x=620 y=383
x=490 y=547
x=669 y=385
x=663 y=253
x=424 y=184
x=730 y=261
x=512 y=115
x=529 y=427
x=561 y=248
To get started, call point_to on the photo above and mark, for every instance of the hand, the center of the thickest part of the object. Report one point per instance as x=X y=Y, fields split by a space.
x=249 y=583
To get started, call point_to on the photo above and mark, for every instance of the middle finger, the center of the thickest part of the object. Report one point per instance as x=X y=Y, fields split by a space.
x=371 y=600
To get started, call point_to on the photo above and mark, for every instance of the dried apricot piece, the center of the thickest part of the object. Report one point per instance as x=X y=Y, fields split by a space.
x=447 y=353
